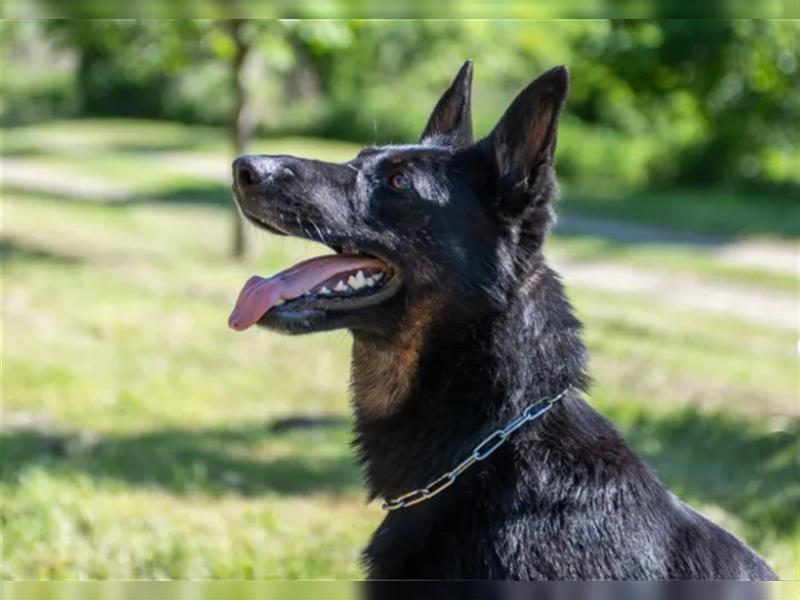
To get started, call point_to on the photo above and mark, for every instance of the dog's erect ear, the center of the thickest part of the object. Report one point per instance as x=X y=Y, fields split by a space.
x=525 y=138
x=450 y=123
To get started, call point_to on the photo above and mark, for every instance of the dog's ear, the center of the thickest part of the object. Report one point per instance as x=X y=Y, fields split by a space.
x=450 y=123
x=523 y=141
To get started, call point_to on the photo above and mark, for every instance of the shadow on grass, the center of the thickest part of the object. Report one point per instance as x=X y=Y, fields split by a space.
x=689 y=217
x=207 y=193
x=708 y=458
x=212 y=461
x=727 y=461
x=13 y=250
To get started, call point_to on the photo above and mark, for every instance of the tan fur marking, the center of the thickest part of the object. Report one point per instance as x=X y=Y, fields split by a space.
x=381 y=374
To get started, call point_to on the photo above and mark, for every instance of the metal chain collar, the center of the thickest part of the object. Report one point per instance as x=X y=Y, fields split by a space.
x=481 y=452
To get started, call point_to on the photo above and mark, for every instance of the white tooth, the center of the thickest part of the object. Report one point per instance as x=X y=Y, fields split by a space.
x=340 y=287
x=357 y=281
x=378 y=276
x=361 y=279
x=280 y=301
x=370 y=281
x=325 y=291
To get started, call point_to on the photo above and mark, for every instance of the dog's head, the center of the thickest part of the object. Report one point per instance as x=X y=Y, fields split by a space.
x=448 y=222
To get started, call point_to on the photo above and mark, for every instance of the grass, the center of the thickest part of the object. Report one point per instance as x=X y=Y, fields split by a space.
x=143 y=439
x=722 y=213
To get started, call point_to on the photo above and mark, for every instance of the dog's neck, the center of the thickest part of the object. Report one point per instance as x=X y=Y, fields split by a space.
x=423 y=397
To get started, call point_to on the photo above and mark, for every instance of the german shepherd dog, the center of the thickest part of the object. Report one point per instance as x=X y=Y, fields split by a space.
x=459 y=326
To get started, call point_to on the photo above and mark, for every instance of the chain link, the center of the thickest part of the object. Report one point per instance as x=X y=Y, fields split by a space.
x=482 y=451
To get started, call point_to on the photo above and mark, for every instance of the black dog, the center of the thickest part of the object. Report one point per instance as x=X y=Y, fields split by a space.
x=459 y=326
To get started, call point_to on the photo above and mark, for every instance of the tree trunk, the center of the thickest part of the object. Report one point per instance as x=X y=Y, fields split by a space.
x=243 y=120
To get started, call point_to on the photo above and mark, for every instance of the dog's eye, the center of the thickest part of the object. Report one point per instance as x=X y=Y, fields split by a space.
x=400 y=181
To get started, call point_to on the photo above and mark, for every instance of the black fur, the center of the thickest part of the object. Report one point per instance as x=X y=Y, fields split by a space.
x=480 y=329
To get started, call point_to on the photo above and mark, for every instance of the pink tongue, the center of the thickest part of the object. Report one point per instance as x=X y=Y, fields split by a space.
x=259 y=294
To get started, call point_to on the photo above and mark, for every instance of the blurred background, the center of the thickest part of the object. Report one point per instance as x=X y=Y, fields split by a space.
x=141 y=438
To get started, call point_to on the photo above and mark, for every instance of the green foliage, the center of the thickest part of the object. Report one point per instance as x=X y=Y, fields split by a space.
x=25 y=95
x=651 y=101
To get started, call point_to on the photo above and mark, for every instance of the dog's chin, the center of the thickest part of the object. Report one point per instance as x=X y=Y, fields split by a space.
x=300 y=321
x=368 y=312
x=297 y=321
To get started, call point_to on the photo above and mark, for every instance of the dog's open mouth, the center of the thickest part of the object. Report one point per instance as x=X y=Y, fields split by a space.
x=348 y=280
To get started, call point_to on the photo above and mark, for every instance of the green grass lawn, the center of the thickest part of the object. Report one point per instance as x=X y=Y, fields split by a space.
x=143 y=439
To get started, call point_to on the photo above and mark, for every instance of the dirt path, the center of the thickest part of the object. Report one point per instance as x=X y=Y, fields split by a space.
x=745 y=302
x=761 y=254
x=26 y=174
x=749 y=303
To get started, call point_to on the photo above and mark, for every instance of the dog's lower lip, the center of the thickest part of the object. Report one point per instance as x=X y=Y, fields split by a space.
x=271 y=227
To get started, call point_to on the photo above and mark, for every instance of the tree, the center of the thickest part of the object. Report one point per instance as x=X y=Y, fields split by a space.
x=243 y=116
x=113 y=79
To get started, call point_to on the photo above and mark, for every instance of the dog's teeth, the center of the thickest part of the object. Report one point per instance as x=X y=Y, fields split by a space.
x=369 y=281
x=357 y=281
x=340 y=287
x=378 y=276
x=324 y=291
x=280 y=301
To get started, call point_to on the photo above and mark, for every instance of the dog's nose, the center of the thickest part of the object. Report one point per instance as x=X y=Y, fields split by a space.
x=250 y=170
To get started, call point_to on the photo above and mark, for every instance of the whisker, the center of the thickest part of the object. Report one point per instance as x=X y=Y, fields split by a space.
x=319 y=233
